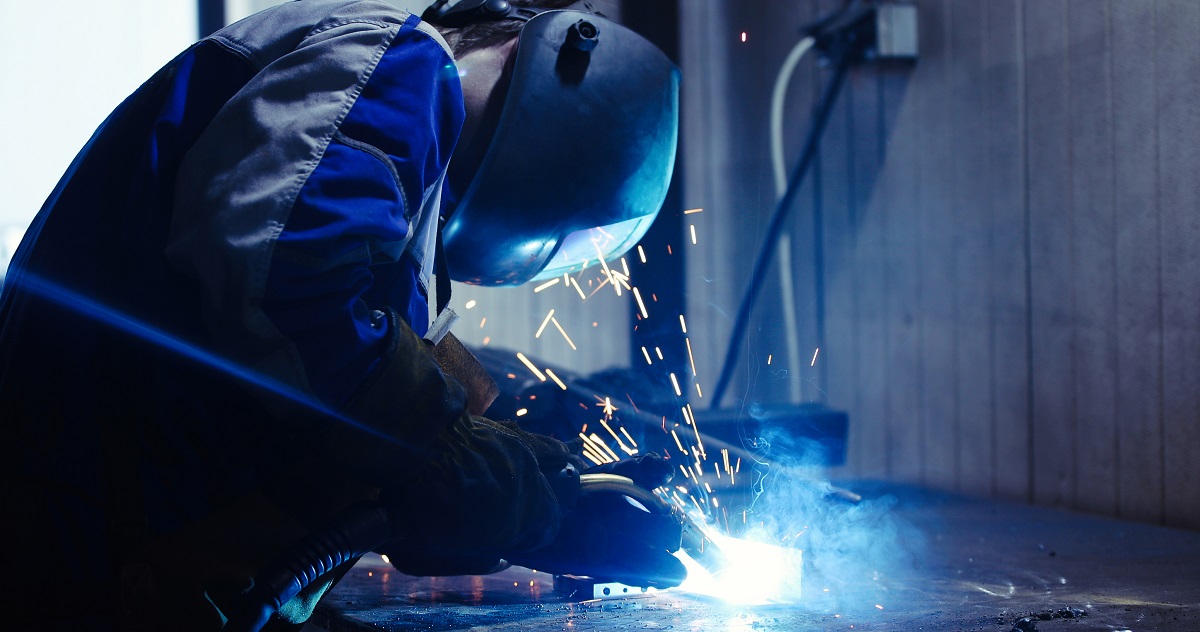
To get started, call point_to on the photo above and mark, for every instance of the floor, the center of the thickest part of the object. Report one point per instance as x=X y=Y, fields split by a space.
x=909 y=560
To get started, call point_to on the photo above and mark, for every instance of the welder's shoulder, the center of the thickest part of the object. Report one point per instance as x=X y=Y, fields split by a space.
x=273 y=33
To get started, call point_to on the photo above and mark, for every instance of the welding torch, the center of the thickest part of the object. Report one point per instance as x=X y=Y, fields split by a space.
x=693 y=540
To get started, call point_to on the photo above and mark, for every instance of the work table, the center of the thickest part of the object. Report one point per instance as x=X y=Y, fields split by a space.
x=968 y=564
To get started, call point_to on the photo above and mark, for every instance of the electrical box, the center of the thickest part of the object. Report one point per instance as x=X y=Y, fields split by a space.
x=895 y=31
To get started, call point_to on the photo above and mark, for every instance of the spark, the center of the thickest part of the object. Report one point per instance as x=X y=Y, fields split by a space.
x=563 y=332
x=635 y=408
x=385 y=558
x=693 y=228
x=595 y=454
x=769 y=356
x=685 y=473
x=622 y=279
x=814 y=360
x=554 y=377
x=596 y=440
x=625 y=267
x=544 y=323
x=647 y=354
x=695 y=427
x=620 y=444
x=604 y=265
x=669 y=249
x=641 y=305
x=470 y=304
x=675 y=383
x=717 y=469
x=743 y=36
x=641 y=253
x=575 y=284
x=598 y=287
x=487 y=340
x=714 y=501
x=682 y=323
x=529 y=365
x=550 y=283
x=659 y=352
x=483 y=322
x=522 y=412
x=626 y=433
x=607 y=405
x=695 y=210
x=678 y=443
x=699 y=394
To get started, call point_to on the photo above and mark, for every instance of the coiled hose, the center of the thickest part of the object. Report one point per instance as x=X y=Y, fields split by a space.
x=349 y=535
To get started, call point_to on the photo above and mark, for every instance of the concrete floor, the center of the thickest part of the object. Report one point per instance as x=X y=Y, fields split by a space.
x=969 y=565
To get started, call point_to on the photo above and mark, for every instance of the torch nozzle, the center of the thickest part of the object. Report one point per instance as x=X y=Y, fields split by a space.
x=700 y=547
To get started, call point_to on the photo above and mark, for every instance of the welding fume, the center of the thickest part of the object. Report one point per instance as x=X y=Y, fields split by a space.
x=222 y=378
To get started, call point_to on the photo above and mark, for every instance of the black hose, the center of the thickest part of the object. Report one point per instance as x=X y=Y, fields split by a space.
x=348 y=536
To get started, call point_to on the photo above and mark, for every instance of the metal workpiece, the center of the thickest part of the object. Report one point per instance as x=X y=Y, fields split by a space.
x=962 y=564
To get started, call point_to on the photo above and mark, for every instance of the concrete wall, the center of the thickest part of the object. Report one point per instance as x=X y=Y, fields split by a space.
x=1004 y=281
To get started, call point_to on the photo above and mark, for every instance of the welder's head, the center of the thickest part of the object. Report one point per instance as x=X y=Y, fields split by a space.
x=582 y=150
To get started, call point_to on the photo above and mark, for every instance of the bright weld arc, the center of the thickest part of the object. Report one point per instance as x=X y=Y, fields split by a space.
x=529 y=365
x=544 y=323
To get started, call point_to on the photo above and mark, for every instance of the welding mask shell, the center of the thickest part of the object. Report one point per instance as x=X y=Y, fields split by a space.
x=581 y=157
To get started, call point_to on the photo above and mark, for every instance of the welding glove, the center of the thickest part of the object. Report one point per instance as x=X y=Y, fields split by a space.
x=615 y=537
x=461 y=491
x=486 y=489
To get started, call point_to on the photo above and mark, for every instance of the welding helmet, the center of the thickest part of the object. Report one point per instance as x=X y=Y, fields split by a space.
x=582 y=152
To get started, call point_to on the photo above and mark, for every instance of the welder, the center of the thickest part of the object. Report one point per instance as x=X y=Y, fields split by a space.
x=227 y=323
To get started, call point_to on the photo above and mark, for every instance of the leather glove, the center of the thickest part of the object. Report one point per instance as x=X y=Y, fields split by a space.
x=619 y=536
x=484 y=490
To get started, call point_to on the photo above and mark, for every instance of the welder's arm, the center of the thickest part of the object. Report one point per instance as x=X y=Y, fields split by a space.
x=462 y=491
